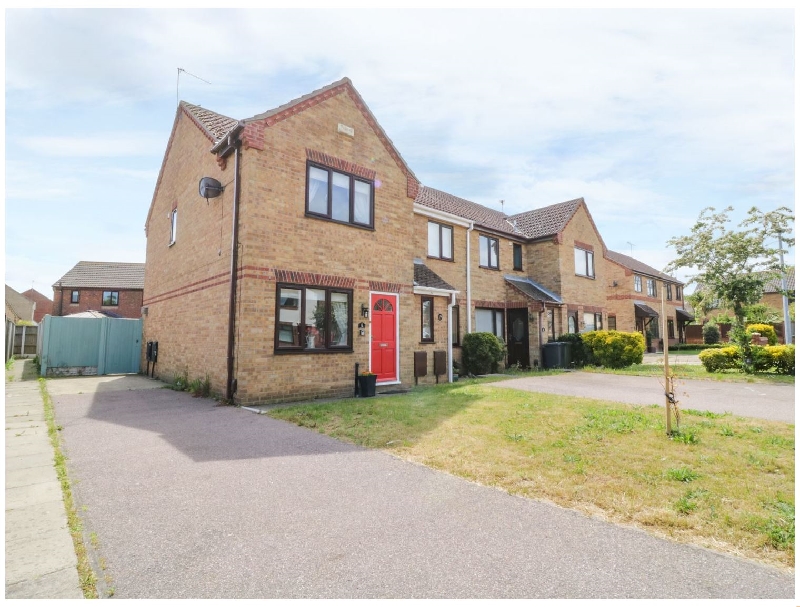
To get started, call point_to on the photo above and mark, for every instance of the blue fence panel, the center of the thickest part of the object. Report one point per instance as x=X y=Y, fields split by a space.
x=123 y=347
x=72 y=342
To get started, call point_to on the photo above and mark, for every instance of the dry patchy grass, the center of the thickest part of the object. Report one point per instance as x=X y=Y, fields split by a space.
x=725 y=482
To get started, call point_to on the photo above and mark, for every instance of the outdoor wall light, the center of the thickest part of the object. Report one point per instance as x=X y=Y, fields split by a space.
x=364 y=310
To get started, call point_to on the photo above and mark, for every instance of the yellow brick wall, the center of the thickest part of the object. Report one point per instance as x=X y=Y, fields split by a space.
x=187 y=284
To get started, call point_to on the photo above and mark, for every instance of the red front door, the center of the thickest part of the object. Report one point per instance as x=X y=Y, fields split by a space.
x=384 y=337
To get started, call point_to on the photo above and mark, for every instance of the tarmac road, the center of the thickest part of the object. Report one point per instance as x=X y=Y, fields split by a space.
x=765 y=401
x=191 y=500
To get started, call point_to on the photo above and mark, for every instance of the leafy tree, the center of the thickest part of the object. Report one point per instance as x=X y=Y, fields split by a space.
x=733 y=265
x=762 y=314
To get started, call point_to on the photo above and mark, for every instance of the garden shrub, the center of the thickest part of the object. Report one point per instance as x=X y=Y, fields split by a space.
x=762 y=359
x=578 y=353
x=721 y=359
x=614 y=349
x=767 y=331
x=782 y=358
x=710 y=333
x=481 y=352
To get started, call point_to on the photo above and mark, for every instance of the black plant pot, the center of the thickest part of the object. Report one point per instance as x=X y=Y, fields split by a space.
x=366 y=385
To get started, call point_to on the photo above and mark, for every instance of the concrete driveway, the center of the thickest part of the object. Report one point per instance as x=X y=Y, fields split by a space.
x=192 y=500
x=765 y=401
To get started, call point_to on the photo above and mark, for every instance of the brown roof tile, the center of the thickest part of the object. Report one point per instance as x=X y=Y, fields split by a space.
x=546 y=221
x=481 y=215
x=215 y=125
x=104 y=274
x=639 y=267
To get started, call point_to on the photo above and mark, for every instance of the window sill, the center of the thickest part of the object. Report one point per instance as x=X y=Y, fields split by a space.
x=369 y=228
x=450 y=259
x=490 y=268
x=283 y=351
x=586 y=276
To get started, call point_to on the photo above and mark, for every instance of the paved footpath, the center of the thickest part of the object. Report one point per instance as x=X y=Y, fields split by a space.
x=40 y=556
x=193 y=500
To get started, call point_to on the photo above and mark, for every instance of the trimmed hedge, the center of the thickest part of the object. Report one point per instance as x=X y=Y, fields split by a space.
x=481 y=353
x=782 y=358
x=767 y=331
x=614 y=349
x=721 y=359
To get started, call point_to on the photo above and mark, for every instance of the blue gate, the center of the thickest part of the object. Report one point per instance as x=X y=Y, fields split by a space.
x=89 y=346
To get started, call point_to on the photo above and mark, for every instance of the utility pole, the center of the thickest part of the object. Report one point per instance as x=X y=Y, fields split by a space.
x=787 y=323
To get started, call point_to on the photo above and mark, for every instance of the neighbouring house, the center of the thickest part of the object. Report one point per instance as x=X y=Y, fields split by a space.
x=18 y=307
x=20 y=311
x=115 y=289
x=638 y=297
x=287 y=250
x=44 y=305
x=773 y=291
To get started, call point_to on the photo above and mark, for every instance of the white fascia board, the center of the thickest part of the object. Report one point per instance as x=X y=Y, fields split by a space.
x=420 y=209
x=432 y=291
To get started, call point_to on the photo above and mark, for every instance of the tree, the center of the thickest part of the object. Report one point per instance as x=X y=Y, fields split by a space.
x=733 y=265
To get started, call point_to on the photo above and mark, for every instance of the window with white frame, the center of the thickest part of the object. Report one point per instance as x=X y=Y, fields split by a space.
x=651 y=287
x=584 y=263
x=489 y=321
x=489 y=249
x=588 y=321
x=440 y=241
x=637 y=283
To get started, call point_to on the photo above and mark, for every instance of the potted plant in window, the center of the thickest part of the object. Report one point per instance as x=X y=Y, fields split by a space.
x=366 y=384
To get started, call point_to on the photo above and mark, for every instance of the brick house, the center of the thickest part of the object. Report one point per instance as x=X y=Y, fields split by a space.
x=315 y=251
x=44 y=305
x=532 y=276
x=19 y=307
x=115 y=289
x=635 y=299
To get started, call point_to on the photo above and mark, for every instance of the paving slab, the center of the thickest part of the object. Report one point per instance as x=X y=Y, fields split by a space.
x=40 y=555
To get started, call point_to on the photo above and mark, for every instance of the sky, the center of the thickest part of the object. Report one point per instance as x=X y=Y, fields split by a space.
x=648 y=115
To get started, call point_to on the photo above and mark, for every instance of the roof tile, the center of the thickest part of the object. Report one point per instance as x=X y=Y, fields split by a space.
x=639 y=267
x=104 y=274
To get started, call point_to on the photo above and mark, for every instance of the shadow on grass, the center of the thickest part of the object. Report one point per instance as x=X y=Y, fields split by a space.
x=388 y=420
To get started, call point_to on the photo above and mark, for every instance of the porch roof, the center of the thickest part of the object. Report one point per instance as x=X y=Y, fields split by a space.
x=644 y=311
x=425 y=277
x=683 y=315
x=532 y=289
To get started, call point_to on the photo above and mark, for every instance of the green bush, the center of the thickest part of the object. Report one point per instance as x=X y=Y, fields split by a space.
x=614 y=349
x=721 y=359
x=578 y=353
x=481 y=353
x=762 y=359
x=767 y=331
x=782 y=358
x=710 y=333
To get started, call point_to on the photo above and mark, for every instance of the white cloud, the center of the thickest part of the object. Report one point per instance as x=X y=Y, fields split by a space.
x=101 y=145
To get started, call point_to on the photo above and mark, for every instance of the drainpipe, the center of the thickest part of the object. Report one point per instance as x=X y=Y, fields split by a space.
x=232 y=143
x=469 y=278
x=450 y=337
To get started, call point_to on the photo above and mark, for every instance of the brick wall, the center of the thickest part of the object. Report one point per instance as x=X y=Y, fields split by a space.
x=43 y=304
x=186 y=285
x=129 y=301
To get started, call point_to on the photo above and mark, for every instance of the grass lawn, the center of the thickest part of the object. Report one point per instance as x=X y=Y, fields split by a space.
x=726 y=483
x=696 y=372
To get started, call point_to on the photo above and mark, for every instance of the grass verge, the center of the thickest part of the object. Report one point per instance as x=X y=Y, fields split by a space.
x=86 y=575
x=724 y=482
x=695 y=372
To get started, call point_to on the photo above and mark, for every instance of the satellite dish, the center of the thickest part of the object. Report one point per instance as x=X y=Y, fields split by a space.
x=210 y=188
